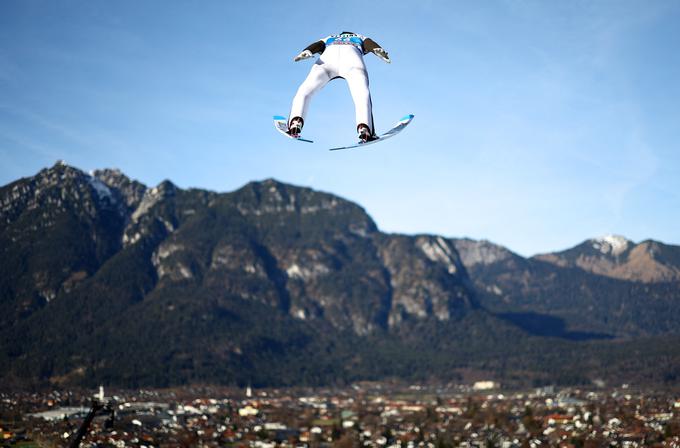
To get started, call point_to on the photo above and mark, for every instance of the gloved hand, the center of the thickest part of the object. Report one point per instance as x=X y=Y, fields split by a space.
x=382 y=54
x=304 y=55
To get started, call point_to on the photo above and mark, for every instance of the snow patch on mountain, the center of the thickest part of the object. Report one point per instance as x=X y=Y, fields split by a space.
x=102 y=190
x=611 y=244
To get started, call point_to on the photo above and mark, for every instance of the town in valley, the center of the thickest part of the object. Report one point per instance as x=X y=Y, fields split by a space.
x=481 y=414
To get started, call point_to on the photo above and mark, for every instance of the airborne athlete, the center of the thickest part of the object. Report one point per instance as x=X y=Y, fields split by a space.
x=342 y=56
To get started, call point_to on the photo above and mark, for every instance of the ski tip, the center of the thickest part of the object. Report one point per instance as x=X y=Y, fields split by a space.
x=279 y=117
x=408 y=117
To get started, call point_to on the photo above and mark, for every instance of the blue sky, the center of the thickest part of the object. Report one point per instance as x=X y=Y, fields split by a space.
x=538 y=124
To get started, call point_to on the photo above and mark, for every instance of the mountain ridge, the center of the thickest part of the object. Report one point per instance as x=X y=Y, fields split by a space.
x=649 y=261
x=279 y=284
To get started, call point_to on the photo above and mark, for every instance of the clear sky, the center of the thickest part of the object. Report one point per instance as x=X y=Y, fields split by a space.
x=538 y=124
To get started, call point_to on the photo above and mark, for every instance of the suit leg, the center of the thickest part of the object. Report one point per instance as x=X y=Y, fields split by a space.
x=317 y=78
x=357 y=80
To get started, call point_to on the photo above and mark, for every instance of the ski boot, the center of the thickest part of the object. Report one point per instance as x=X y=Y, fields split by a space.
x=365 y=134
x=295 y=126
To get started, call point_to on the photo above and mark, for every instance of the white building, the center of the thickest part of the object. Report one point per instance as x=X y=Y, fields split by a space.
x=485 y=385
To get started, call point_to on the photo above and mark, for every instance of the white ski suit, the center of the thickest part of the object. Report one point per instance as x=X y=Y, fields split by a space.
x=341 y=57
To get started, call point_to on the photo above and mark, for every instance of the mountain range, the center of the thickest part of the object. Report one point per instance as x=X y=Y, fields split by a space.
x=104 y=280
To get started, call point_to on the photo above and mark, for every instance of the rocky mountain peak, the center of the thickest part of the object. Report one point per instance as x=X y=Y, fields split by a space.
x=61 y=170
x=58 y=227
x=618 y=257
x=152 y=196
x=56 y=190
x=131 y=191
x=60 y=176
x=271 y=197
x=613 y=245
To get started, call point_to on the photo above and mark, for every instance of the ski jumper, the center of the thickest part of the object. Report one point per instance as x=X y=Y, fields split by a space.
x=341 y=57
